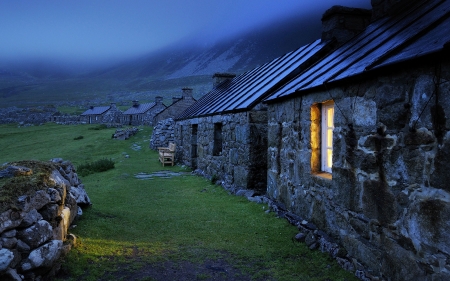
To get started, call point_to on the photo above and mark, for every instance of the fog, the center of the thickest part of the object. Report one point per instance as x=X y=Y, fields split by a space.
x=85 y=33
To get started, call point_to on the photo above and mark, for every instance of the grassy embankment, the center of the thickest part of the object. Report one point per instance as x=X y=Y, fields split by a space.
x=133 y=222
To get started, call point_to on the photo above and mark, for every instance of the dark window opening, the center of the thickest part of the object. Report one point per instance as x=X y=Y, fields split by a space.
x=217 y=150
x=194 y=141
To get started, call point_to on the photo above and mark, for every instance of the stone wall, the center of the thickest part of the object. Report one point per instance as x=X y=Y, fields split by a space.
x=124 y=134
x=163 y=133
x=34 y=227
x=112 y=116
x=239 y=162
x=32 y=115
x=388 y=201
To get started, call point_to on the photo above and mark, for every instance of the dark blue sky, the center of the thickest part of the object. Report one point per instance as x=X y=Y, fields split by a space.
x=105 y=30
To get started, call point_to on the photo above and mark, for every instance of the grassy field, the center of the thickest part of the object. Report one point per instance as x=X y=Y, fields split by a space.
x=163 y=228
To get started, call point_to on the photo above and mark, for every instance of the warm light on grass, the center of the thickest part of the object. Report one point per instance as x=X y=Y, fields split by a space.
x=135 y=222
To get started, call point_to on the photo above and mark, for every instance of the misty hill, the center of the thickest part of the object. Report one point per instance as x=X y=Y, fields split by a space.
x=164 y=72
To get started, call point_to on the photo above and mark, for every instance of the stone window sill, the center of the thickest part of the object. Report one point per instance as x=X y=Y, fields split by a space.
x=324 y=175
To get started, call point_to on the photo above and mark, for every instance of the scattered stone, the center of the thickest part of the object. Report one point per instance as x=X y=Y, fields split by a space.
x=300 y=237
x=124 y=134
x=245 y=192
x=160 y=174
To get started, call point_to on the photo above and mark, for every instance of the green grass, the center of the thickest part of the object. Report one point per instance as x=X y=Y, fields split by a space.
x=185 y=218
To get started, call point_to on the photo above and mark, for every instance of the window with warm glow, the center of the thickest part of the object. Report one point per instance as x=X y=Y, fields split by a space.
x=327 y=128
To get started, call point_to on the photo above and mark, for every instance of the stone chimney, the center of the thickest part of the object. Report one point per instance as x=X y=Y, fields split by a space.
x=113 y=105
x=158 y=100
x=91 y=107
x=186 y=92
x=219 y=78
x=383 y=8
x=135 y=103
x=343 y=23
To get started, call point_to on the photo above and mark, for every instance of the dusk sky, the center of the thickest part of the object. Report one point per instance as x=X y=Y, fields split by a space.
x=102 y=30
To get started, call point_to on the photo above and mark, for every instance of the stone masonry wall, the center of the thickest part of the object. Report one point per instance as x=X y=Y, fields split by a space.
x=34 y=229
x=163 y=133
x=235 y=166
x=388 y=202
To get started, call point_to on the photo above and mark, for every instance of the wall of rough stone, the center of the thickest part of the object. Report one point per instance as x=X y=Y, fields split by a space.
x=33 y=115
x=388 y=202
x=112 y=116
x=34 y=231
x=163 y=133
x=238 y=165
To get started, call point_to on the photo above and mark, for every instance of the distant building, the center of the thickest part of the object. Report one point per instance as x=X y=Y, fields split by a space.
x=101 y=115
x=178 y=106
x=142 y=114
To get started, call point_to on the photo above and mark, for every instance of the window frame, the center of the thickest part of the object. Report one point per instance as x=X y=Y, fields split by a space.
x=326 y=141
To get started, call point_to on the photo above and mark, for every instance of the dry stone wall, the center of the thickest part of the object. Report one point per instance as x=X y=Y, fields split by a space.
x=388 y=201
x=34 y=228
x=32 y=115
x=163 y=133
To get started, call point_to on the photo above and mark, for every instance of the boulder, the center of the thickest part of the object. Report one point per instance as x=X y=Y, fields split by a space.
x=6 y=257
x=9 y=220
x=37 y=234
x=44 y=256
x=30 y=218
x=80 y=195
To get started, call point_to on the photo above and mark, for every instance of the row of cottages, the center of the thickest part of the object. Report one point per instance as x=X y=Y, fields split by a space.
x=142 y=113
x=138 y=114
x=179 y=105
x=354 y=138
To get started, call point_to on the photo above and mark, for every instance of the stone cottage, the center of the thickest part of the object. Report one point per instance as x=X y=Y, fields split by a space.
x=359 y=143
x=179 y=105
x=142 y=113
x=224 y=134
x=101 y=115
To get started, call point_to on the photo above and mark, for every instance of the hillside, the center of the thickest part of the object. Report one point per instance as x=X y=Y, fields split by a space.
x=164 y=72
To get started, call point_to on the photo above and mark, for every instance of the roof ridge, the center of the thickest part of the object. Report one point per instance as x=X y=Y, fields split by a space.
x=413 y=37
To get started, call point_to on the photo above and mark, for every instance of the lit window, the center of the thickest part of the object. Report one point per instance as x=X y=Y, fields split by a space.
x=327 y=128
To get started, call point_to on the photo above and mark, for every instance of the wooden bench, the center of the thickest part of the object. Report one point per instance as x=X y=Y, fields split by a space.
x=167 y=154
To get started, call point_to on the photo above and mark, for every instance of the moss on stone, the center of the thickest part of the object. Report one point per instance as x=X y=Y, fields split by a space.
x=24 y=184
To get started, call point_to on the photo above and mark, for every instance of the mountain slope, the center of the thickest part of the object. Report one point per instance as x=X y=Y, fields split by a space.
x=164 y=72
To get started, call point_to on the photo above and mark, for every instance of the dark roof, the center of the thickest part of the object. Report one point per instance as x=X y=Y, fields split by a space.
x=140 y=108
x=246 y=90
x=97 y=110
x=419 y=30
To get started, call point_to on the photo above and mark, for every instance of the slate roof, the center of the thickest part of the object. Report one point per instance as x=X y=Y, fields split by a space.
x=246 y=90
x=140 y=109
x=419 y=30
x=97 y=110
